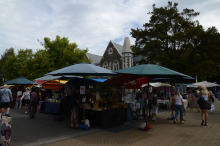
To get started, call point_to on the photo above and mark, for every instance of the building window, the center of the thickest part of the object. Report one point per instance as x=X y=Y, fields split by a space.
x=116 y=65
x=110 y=51
x=105 y=65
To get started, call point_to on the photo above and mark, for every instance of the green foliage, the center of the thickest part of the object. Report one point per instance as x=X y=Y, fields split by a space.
x=18 y=65
x=7 y=54
x=174 y=40
x=57 y=54
x=62 y=53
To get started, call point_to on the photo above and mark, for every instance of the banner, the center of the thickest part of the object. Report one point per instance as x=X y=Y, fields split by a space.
x=6 y=131
x=82 y=89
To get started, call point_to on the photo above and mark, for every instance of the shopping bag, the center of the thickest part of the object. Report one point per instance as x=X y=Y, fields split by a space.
x=212 y=108
x=143 y=125
x=183 y=116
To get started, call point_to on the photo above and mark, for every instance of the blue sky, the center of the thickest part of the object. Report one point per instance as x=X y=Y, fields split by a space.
x=89 y=23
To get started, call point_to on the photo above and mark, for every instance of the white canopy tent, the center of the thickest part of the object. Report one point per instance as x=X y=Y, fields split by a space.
x=156 y=84
x=205 y=83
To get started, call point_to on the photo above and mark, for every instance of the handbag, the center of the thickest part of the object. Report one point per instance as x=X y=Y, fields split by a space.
x=183 y=116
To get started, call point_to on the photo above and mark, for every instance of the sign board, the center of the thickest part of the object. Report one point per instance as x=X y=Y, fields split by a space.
x=82 y=89
x=6 y=131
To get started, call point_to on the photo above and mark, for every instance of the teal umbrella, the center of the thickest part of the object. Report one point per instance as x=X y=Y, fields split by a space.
x=151 y=70
x=82 y=69
x=20 y=81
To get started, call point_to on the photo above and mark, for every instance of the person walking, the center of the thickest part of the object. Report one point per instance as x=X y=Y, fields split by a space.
x=204 y=105
x=33 y=101
x=74 y=103
x=5 y=94
x=218 y=95
x=178 y=105
x=192 y=101
x=197 y=98
x=26 y=96
x=18 y=103
x=154 y=105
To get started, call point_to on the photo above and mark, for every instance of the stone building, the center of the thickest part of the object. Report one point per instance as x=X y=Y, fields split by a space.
x=116 y=56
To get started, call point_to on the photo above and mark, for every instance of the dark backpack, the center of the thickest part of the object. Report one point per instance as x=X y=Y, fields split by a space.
x=201 y=100
x=153 y=101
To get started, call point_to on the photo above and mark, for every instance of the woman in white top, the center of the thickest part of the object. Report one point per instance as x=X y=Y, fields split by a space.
x=18 y=103
x=205 y=106
x=26 y=96
x=178 y=105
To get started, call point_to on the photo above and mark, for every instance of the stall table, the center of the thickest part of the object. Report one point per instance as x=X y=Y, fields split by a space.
x=51 y=107
x=107 y=118
x=162 y=101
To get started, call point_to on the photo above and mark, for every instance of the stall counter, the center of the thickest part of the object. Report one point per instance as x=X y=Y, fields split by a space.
x=107 y=118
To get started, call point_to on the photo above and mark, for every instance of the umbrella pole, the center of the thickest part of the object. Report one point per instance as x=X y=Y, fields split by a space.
x=83 y=104
x=148 y=93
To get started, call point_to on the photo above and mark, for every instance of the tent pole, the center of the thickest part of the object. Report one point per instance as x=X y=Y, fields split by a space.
x=83 y=104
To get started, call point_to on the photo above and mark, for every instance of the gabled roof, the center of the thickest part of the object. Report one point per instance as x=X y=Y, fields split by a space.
x=95 y=58
x=118 y=47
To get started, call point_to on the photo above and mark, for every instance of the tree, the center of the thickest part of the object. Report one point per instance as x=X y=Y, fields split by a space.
x=62 y=53
x=19 y=64
x=174 y=40
x=7 y=54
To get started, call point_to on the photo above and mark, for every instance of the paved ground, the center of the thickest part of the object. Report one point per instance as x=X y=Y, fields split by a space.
x=164 y=133
x=44 y=131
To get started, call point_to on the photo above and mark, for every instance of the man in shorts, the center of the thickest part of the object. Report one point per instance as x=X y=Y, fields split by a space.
x=5 y=94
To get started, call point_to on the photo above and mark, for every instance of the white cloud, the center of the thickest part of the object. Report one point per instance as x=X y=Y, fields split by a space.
x=91 y=24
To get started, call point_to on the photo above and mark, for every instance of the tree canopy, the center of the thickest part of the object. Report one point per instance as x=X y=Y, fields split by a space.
x=57 y=54
x=174 y=40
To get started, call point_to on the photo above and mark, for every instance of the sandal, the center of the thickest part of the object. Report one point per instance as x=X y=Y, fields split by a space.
x=206 y=124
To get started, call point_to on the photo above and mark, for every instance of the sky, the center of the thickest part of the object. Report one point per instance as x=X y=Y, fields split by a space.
x=89 y=23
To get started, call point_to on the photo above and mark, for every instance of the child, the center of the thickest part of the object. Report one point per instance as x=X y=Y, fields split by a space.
x=191 y=101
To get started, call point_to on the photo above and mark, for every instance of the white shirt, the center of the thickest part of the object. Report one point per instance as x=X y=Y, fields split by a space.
x=178 y=99
x=205 y=97
x=19 y=93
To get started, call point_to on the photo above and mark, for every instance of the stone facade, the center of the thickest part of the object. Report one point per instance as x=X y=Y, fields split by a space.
x=111 y=58
x=116 y=56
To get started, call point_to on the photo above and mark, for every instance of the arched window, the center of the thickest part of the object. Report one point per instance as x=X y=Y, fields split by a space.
x=116 y=65
x=105 y=65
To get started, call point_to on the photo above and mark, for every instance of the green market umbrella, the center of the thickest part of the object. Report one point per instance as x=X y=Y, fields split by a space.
x=153 y=71
x=20 y=81
x=82 y=69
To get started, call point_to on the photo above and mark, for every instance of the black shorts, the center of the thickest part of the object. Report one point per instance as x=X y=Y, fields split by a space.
x=26 y=101
x=5 y=105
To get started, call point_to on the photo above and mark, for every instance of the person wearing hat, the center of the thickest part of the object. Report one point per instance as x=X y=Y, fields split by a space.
x=5 y=95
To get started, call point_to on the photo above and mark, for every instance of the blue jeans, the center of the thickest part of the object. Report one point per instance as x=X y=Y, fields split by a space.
x=177 y=109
